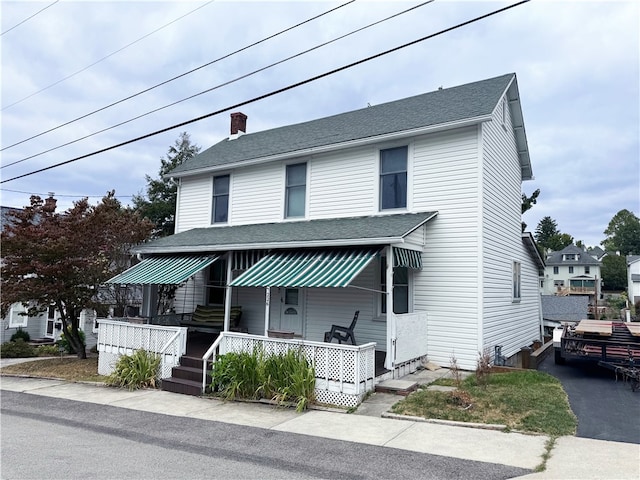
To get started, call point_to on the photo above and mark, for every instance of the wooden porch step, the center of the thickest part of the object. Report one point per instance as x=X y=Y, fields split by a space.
x=189 y=373
x=397 y=387
x=183 y=386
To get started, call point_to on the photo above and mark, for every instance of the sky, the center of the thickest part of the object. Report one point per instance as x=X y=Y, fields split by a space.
x=577 y=65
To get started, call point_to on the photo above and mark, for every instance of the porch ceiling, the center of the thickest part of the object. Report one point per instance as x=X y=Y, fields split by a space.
x=164 y=270
x=315 y=268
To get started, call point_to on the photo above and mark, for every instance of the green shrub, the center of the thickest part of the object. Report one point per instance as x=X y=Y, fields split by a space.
x=139 y=370
x=17 y=349
x=283 y=378
x=64 y=342
x=47 y=350
x=20 y=333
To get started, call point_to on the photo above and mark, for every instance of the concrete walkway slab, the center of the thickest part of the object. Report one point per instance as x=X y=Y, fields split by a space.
x=83 y=392
x=247 y=414
x=517 y=450
x=22 y=384
x=158 y=401
x=340 y=426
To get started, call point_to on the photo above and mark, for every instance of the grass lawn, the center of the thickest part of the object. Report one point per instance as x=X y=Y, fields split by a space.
x=67 y=368
x=529 y=401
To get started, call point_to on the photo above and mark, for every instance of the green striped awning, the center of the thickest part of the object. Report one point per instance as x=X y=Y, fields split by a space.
x=307 y=268
x=164 y=270
x=407 y=258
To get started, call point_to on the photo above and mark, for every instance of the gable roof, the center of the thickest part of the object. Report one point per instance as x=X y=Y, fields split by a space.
x=583 y=258
x=457 y=106
x=531 y=246
x=373 y=230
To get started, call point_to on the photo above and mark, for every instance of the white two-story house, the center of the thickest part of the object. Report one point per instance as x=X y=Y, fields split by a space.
x=408 y=212
x=572 y=271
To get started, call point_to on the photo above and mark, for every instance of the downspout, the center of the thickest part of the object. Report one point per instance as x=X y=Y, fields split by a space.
x=267 y=307
x=480 y=285
x=227 y=294
x=390 y=358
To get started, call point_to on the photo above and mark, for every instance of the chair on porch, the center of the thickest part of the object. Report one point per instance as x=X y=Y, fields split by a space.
x=343 y=334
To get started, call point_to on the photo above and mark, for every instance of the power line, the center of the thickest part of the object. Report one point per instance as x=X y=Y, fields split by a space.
x=179 y=76
x=29 y=18
x=62 y=195
x=274 y=92
x=105 y=57
x=219 y=85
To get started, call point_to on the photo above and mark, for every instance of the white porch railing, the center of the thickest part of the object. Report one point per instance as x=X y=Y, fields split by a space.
x=122 y=338
x=344 y=373
x=410 y=341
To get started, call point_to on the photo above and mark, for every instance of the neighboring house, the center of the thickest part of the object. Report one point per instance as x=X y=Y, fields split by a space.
x=408 y=212
x=557 y=309
x=572 y=271
x=633 y=279
x=46 y=325
x=596 y=252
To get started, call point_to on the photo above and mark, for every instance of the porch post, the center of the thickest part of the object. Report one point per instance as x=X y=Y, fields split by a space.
x=149 y=300
x=267 y=307
x=227 y=293
x=391 y=337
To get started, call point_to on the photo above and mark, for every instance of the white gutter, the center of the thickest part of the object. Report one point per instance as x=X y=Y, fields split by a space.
x=336 y=146
x=271 y=245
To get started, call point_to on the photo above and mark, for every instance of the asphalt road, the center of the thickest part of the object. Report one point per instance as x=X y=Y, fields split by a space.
x=44 y=437
x=606 y=409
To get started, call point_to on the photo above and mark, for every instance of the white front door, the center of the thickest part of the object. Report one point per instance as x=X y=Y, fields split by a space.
x=291 y=309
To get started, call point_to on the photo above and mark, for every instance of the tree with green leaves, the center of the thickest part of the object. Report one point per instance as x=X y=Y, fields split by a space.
x=623 y=234
x=53 y=259
x=614 y=272
x=547 y=229
x=527 y=203
x=159 y=202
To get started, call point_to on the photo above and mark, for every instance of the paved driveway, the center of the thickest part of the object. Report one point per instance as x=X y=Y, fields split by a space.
x=606 y=409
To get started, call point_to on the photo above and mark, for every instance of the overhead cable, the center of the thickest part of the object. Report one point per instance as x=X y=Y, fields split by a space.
x=229 y=82
x=105 y=57
x=29 y=18
x=179 y=76
x=272 y=93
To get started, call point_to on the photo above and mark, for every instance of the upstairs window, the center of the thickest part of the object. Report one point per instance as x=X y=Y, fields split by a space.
x=393 y=178
x=570 y=256
x=517 y=279
x=556 y=270
x=587 y=270
x=220 y=206
x=570 y=269
x=296 y=190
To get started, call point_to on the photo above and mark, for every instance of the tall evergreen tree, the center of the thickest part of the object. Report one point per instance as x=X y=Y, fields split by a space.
x=159 y=202
x=623 y=234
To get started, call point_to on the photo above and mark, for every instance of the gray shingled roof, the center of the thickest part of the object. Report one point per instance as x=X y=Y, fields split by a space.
x=444 y=106
x=564 y=309
x=327 y=232
x=555 y=259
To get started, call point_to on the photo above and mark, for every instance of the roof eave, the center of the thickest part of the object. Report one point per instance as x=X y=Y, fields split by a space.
x=513 y=97
x=336 y=146
x=143 y=250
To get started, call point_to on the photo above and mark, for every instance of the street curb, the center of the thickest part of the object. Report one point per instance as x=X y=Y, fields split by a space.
x=482 y=426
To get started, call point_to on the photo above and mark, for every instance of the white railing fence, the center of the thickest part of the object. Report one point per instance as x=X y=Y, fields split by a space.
x=344 y=373
x=410 y=341
x=117 y=338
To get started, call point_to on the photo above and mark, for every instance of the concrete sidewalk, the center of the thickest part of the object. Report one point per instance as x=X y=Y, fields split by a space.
x=571 y=458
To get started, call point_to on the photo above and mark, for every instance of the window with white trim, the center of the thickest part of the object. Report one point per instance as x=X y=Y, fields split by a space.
x=400 y=288
x=295 y=190
x=570 y=269
x=16 y=317
x=220 y=204
x=517 y=280
x=587 y=270
x=393 y=178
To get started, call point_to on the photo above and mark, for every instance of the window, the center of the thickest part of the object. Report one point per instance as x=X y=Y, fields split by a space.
x=15 y=318
x=393 y=178
x=570 y=256
x=400 y=288
x=587 y=270
x=220 y=206
x=217 y=282
x=517 y=281
x=296 y=190
x=570 y=269
x=555 y=270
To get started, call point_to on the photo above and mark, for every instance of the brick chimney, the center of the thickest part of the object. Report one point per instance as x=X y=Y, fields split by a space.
x=50 y=203
x=238 y=123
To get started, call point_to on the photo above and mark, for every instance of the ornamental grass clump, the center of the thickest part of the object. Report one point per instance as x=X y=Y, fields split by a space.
x=139 y=370
x=283 y=378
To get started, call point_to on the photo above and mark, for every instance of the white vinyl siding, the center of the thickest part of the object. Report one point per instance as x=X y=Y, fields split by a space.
x=510 y=324
x=340 y=180
x=194 y=203
x=445 y=179
x=258 y=194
